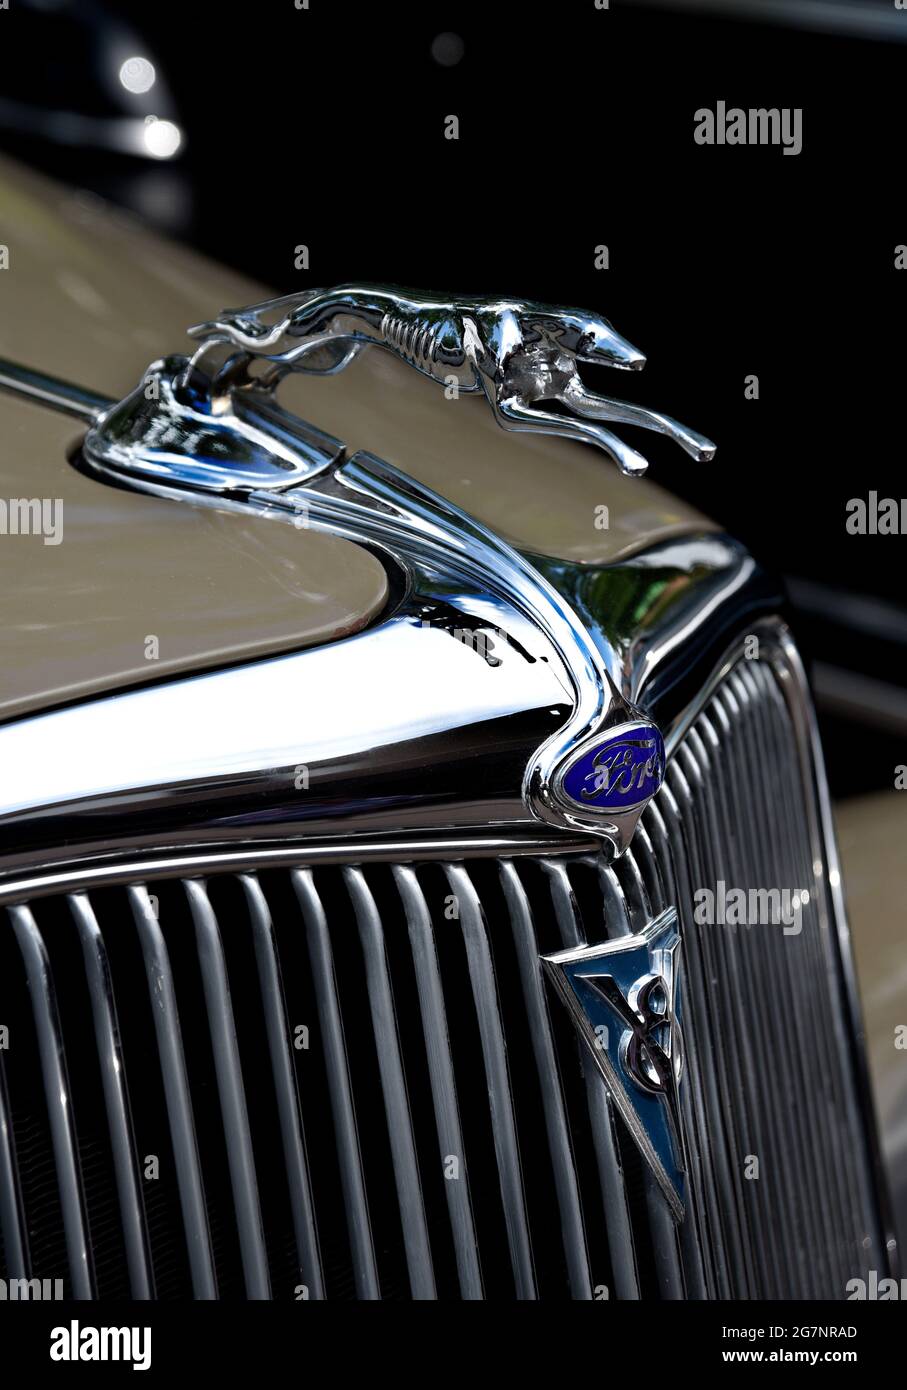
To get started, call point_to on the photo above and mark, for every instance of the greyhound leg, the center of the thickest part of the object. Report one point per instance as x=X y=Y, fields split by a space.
x=587 y=403
x=514 y=414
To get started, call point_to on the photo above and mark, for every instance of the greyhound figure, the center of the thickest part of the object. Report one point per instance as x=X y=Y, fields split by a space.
x=518 y=353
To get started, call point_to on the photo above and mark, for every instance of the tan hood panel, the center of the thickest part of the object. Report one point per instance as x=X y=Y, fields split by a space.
x=212 y=586
x=90 y=297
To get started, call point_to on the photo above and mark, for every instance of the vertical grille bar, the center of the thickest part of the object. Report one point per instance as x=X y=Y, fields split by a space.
x=12 y=1215
x=758 y=1116
x=232 y=1096
x=441 y=1073
x=393 y=1084
x=176 y=1092
x=662 y=1225
x=365 y=1270
x=484 y=989
x=116 y=1097
x=689 y=1234
x=769 y=867
x=58 y=1098
x=830 y=1098
x=574 y=1236
x=700 y=1077
x=718 y=980
x=776 y=1180
x=703 y=1015
x=601 y=1116
x=692 y=1098
x=288 y=1106
x=783 y=959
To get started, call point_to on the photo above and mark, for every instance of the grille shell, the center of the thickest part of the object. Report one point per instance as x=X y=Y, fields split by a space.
x=441 y=1134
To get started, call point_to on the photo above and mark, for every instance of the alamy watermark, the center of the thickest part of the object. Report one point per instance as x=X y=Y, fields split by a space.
x=754 y=125
x=78 y=1343
x=31 y=1290
x=32 y=516
x=876 y=516
x=754 y=907
x=876 y=1289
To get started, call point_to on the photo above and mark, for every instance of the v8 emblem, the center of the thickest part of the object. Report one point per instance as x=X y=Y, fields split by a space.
x=624 y=997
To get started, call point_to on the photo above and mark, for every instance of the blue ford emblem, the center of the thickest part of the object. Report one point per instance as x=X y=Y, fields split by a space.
x=623 y=769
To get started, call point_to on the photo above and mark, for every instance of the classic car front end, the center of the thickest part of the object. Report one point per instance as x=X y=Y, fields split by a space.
x=418 y=871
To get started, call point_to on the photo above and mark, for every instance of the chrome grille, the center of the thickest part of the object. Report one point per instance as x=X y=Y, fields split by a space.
x=351 y=1082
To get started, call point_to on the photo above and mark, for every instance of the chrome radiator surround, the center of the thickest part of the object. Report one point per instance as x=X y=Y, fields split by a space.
x=437 y=720
x=440 y=736
x=811 y=1220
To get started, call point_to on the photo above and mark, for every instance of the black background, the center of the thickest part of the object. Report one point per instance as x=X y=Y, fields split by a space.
x=326 y=128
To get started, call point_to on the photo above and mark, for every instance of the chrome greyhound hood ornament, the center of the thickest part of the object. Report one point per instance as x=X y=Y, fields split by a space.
x=211 y=424
x=212 y=421
x=518 y=353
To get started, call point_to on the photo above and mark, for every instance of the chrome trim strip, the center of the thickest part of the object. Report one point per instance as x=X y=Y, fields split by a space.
x=175 y=862
x=85 y=405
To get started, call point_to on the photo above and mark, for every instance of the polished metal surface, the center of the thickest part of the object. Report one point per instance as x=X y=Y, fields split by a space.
x=243 y=442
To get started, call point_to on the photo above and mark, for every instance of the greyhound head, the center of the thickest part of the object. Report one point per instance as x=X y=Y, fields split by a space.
x=587 y=338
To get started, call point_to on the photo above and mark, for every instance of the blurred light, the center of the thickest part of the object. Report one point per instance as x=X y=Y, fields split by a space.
x=159 y=194
x=162 y=138
x=137 y=75
x=870 y=19
x=447 y=49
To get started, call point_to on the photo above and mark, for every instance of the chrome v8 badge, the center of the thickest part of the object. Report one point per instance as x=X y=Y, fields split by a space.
x=624 y=997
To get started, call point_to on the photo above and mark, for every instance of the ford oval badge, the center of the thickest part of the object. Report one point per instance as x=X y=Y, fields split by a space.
x=618 y=771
